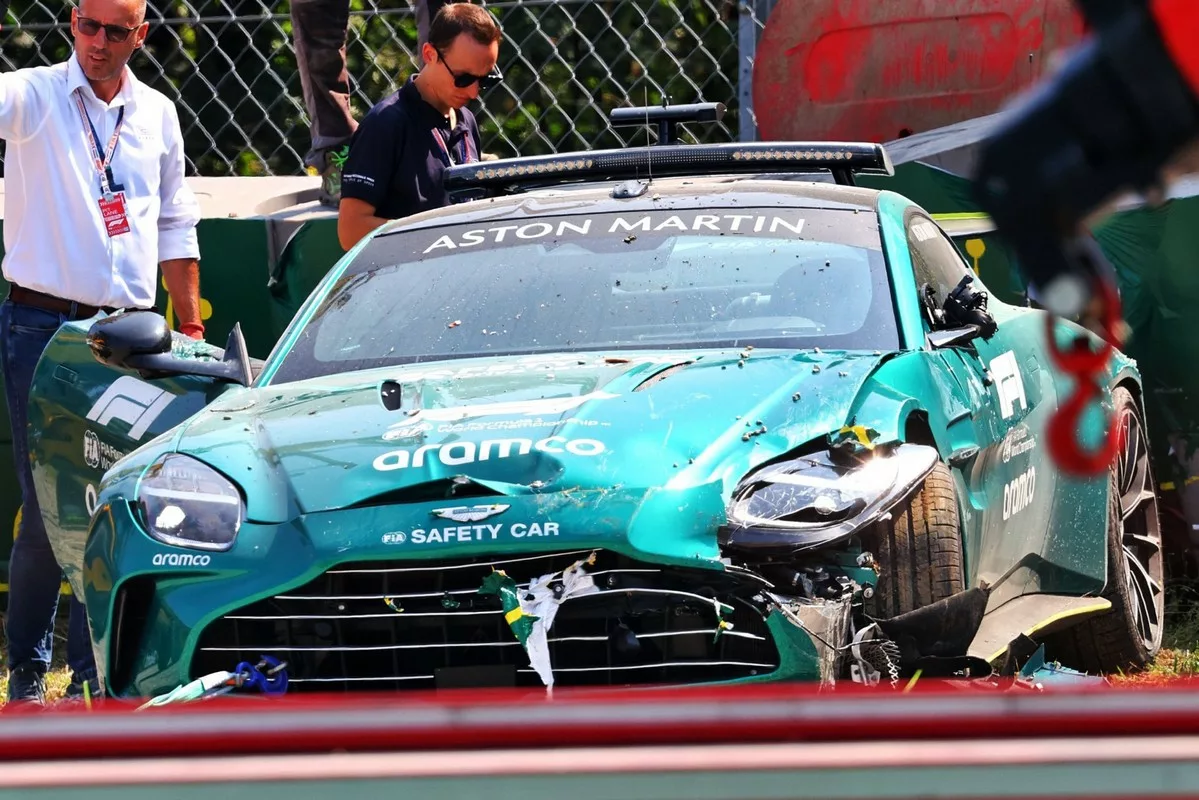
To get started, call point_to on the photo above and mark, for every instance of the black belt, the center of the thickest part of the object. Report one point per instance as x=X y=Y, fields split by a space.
x=57 y=305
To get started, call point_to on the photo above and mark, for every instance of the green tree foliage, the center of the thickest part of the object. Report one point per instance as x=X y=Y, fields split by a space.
x=230 y=68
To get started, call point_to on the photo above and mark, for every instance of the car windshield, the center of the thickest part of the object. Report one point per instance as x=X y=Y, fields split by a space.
x=793 y=278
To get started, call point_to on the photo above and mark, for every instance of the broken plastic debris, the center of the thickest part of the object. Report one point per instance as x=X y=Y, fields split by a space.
x=208 y=685
x=874 y=657
x=854 y=435
x=745 y=437
x=1037 y=672
x=392 y=605
x=194 y=349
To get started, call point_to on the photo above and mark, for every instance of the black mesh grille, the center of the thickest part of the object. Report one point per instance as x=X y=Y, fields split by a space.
x=647 y=624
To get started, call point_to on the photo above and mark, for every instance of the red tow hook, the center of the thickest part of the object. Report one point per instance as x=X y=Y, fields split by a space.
x=1085 y=365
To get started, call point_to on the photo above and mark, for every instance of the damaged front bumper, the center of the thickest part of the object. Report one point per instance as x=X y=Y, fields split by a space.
x=593 y=618
x=589 y=613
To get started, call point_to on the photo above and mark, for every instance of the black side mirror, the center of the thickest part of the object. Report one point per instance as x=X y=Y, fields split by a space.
x=132 y=333
x=142 y=341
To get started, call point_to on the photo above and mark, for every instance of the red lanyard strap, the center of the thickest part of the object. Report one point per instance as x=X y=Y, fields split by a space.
x=101 y=162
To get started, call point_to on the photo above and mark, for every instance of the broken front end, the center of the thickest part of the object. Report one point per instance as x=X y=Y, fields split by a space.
x=862 y=547
x=800 y=596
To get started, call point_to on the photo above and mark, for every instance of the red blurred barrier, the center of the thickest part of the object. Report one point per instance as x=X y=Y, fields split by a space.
x=865 y=70
x=483 y=720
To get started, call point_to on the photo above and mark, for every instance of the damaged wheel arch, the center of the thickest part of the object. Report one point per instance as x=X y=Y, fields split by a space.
x=874 y=527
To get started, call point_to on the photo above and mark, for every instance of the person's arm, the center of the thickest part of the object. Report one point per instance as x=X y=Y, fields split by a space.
x=366 y=176
x=24 y=105
x=182 y=277
x=178 y=245
x=355 y=219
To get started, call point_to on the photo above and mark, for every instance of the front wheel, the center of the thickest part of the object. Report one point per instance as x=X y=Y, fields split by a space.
x=919 y=552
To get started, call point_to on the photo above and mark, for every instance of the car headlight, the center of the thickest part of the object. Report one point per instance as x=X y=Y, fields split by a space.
x=815 y=500
x=187 y=503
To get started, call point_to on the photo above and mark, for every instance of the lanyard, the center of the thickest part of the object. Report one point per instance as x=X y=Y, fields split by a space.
x=101 y=162
x=466 y=157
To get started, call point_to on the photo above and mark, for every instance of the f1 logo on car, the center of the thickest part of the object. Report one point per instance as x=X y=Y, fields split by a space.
x=132 y=401
x=1008 y=383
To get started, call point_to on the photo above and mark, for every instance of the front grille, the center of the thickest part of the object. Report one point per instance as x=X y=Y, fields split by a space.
x=648 y=624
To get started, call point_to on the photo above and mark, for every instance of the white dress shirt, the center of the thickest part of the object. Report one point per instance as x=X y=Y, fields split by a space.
x=55 y=239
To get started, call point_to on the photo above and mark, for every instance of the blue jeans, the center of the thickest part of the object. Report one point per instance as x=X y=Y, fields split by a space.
x=34 y=575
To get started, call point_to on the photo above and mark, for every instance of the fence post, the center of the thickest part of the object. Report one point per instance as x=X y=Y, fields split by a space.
x=751 y=20
x=747 y=47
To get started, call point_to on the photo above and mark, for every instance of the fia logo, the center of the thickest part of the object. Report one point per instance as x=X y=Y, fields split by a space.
x=132 y=401
x=1008 y=383
x=91 y=449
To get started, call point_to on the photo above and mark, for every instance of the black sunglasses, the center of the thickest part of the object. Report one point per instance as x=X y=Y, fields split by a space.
x=115 y=33
x=464 y=79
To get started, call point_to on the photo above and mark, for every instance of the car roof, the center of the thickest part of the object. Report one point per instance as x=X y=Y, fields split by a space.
x=700 y=191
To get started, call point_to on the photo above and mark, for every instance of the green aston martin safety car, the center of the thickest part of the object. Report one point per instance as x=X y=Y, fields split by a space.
x=665 y=415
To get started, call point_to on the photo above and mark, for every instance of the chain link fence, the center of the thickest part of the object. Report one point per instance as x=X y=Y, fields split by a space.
x=230 y=67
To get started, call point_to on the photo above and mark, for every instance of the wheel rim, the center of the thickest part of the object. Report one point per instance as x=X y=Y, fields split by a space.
x=1140 y=532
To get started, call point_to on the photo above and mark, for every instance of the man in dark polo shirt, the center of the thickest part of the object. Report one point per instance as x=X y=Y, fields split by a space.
x=404 y=143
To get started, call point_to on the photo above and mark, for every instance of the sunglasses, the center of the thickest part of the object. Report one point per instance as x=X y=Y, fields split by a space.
x=115 y=33
x=464 y=80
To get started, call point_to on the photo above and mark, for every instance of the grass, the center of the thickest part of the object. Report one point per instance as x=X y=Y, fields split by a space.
x=1179 y=656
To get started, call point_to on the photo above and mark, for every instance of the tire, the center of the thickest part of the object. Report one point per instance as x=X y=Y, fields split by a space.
x=1130 y=635
x=919 y=552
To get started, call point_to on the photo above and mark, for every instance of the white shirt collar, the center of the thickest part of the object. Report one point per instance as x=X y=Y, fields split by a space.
x=76 y=80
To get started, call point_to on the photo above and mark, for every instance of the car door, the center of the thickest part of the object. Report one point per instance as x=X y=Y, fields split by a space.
x=1010 y=396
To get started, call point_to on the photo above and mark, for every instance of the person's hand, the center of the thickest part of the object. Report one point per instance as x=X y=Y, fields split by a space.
x=193 y=329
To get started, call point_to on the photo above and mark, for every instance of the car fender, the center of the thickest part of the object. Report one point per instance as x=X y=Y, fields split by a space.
x=84 y=418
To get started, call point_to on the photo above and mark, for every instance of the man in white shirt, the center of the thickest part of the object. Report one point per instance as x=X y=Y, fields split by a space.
x=95 y=203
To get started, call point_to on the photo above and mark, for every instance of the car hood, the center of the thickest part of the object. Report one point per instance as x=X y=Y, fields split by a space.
x=521 y=425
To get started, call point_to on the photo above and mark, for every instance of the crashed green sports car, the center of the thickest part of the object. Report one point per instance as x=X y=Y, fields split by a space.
x=738 y=421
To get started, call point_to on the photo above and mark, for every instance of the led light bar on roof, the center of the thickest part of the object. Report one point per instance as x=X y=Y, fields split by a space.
x=515 y=174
